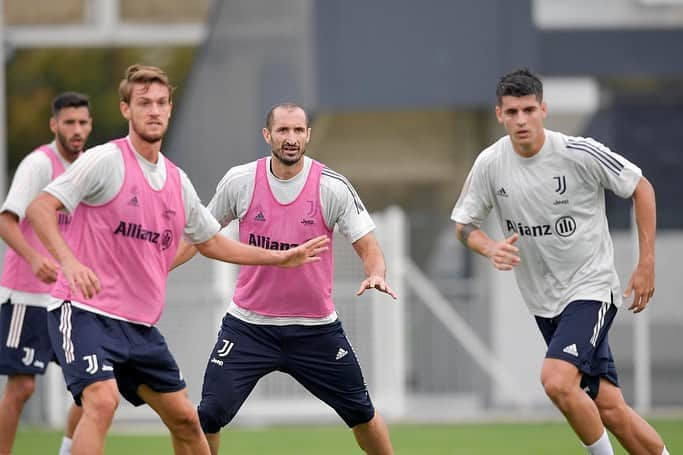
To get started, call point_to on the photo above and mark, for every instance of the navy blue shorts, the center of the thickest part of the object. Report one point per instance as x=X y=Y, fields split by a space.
x=319 y=357
x=24 y=343
x=579 y=336
x=93 y=348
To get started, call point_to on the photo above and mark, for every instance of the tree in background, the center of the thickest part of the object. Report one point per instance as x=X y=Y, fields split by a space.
x=35 y=77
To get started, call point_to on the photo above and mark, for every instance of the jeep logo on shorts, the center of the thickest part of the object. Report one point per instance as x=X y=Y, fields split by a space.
x=565 y=226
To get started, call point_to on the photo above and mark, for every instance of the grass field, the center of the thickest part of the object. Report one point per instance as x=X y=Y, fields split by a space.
x=471 y=439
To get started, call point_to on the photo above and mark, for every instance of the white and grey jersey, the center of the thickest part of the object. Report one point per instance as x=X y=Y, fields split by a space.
x=340 y=205
x=555 y=201
x=97 y=177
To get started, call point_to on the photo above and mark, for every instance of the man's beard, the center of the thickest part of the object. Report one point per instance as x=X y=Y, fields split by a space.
x=280 y=156
x=64 y=142
x=152 y=139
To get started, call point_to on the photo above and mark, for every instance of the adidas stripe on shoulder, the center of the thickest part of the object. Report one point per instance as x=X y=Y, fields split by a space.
x=598 y=152
x=327 y=172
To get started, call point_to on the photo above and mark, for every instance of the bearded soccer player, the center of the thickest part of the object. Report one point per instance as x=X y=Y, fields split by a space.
x=285 y=319
x=29 y=270
x=548 y=190
x=132 y=207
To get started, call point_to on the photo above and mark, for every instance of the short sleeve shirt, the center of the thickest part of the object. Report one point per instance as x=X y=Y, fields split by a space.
x=97 y=177
x=555 y=201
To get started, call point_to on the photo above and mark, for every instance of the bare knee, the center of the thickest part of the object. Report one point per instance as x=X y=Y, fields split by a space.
x=614 y=417
x=184 y=423
x=20 y=388
x=556 y=387
x=100 y=402
x=103 y=408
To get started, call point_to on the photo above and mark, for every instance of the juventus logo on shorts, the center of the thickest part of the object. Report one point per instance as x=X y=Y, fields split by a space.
x=225 y=350
x=92 y=363
x=30 y=355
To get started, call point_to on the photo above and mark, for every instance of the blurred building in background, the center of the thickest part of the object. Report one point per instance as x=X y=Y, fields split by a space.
x=401 y=97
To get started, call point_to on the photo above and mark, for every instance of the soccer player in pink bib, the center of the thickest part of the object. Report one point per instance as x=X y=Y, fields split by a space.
x=29 y=271
x=133 y=206
x=281 y=319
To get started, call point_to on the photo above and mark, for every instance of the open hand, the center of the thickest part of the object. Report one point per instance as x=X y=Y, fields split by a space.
x=306 y=252
x=642 y=286
x=376 y=282
x=505 y=255
x=81 y=278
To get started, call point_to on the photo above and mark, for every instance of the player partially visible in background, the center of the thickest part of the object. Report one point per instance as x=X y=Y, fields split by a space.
x=548 y=190
x=285 y=319
x=29 y=271
x=132 y=205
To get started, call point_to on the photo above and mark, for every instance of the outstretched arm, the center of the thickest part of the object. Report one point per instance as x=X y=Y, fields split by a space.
x=45 y=269
x=371 y=255
x=503 y=255
x=186 y=251
x=41 y=214
x=227 y=250
x=642 y=282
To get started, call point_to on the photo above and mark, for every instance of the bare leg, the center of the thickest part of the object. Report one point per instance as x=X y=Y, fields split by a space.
x=561 y=381
x=75 y=413
x=180 y=416
x=632 y=431
x=18 y=390
x=373 y=436
x=214 y=442
x=100 y=400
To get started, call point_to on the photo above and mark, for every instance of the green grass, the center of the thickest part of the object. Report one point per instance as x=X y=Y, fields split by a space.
x=470 y=439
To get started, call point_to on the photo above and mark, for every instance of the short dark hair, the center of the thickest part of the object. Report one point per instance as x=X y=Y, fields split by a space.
x=288 y=106
x=520 y=82
x=69 y=99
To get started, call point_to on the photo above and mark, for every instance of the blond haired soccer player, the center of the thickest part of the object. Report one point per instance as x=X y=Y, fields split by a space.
x=548 y=190
x=29 y=271
x=132 y=207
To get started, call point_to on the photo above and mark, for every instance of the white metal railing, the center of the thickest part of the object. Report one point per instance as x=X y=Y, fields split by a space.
x=461 y=331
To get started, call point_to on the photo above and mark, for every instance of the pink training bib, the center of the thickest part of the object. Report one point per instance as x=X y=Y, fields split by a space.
x=304 y=291
x=130 y=243
x=17 y=273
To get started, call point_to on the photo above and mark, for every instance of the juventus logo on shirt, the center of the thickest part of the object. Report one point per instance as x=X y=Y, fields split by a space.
x=561 y=184
x=310 y=208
